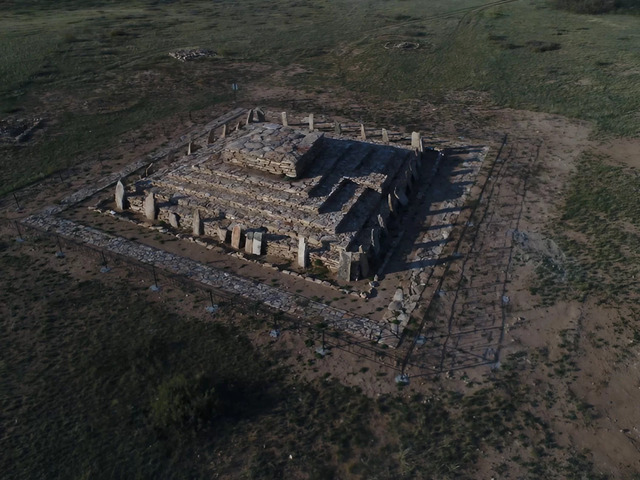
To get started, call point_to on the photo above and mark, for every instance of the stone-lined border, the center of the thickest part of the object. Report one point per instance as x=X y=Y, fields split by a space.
x=290 y=303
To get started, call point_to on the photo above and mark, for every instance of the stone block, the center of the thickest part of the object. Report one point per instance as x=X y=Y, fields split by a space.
x=363 y=132
x=257 y=243
x=149 y=206
x=197 y=223
x=236 y=236
x=248 y=243
x=285 y=122
x=174 y=220
x=344 y=268
x=385 y=136
x=311 y=122
x=222 y=233
x=303 y=254
x=416 y=141
x=121 y=198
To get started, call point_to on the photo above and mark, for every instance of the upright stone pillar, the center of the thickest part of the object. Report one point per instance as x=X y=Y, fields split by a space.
x=236 y=236
x=416 y=141
x=189 y=148
x=237 y=127
x=285 y=122
x=248 y=243
x=363 y=132
x=260 y=114
x=385 y=136
x=375 y=241
x=121 y=197
x=249 y=117
x=344 y=268
x=174 y=220
x=337 y=128
x=222 y=234
x=150 y=206
x=224 y=131
x=257 y=243
x=311 y=122
x=212 y=137
x=197 y=223
x=303 y=254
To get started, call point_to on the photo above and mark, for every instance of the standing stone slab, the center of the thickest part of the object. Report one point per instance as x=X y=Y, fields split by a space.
x=344 y=269
x=224 y=131
x=121 y=198
x=236 y=236
x=416 y=141
x=303 y=254
x=248 y=242
x=174 y=220
x=190 y=148
x=311 y=122
x=257 y=243
x=197 y=223
x=385 y=136
x=212 y=137
x=391 y=201
x=337 y=128
x=285 y=122
x=363 y=132
x=375 y=240
x=150 y=206
x=222 y=234
x=260 y=114
x=249 y=117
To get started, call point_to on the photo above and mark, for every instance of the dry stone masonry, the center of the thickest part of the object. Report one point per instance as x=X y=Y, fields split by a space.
x=315 y=197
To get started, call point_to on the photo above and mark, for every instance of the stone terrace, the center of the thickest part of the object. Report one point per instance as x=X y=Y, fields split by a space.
x=290 y=184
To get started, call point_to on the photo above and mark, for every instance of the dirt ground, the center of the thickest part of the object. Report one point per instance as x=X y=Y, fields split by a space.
x=571 y=349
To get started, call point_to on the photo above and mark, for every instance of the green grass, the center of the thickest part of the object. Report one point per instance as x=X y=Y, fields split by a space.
x=98 y=69
x=97 y=382
x=599 y=233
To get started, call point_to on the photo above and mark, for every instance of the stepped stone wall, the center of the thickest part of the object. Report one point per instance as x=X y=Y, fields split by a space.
x=274 y=149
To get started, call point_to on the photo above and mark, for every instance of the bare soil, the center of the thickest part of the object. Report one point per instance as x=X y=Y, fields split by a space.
x=581 y=364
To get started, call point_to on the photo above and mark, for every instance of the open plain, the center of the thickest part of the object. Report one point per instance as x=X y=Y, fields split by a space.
x=493 y=335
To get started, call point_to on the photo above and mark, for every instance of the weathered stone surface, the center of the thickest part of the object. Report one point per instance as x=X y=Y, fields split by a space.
x=248 y=242
x=189 y=148
x=197 y=223
x=363 y=132
x=285 y=122
x=236 y=236
x=391 y=203
x=375 y=241
x=257 y=243
x=121 y=198
x=381 y=221
x=303 y=254
x=274 y=149
x=223 y=134
x=416 y=141
x=337 y=128
x=311 y=126
x=344 y=269
x=249 y=118
x=211 y=137
x=174 y=220
x=385 y=136
x=222 y=233
x=260 y=114
x=149 y=206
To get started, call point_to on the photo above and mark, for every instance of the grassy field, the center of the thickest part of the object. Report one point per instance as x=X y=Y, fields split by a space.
x=96 y=382
x=96 y=70
x=599 y=232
